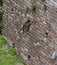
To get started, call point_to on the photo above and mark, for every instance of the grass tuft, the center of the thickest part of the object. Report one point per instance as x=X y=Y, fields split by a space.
x=7 y=54
x=2 y=41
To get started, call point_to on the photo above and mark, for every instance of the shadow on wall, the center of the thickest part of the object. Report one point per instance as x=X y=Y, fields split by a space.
x=1 y=3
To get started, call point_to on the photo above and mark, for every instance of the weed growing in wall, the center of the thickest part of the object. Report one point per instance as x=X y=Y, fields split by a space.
x=44 y=7
x=1 y=25
x=27 y=9
x=33 y=7
x=43 y=0
x=1 y=15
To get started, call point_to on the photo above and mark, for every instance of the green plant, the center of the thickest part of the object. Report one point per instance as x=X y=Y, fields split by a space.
x=33 y=7
x=1 y=3
x=12 y=51
x=43 y=0
x=2 y=41
x=44 y=7
x=1 y=25
x=27 y=9
x=1 y=14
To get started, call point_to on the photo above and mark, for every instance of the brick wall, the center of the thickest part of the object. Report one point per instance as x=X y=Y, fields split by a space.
x=37 y=45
